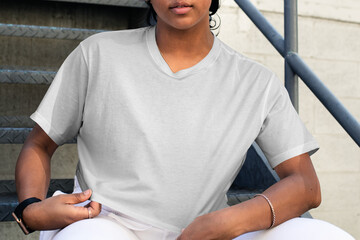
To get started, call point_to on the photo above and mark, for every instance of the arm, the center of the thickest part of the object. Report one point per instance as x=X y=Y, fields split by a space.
x=32 y=172
x=296 y=192
x=32 y=178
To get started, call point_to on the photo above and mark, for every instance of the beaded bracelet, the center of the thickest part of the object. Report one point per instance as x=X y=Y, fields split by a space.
x=272 y=209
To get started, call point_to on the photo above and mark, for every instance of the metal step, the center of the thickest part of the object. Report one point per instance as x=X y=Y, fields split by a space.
x=256 y=172
x=46 y=32
x=17 y=135
x=123 y=3
x=13 y=135
x=238 y=196
x=16 y=122
x=26 y=76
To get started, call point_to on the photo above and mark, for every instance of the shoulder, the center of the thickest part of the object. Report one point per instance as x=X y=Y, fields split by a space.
x=247 y=69
x=242 y=62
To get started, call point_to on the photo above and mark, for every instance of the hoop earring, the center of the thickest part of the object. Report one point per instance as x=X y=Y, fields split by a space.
x=212 y=22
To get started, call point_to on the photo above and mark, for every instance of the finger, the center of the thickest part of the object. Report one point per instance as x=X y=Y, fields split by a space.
x=95 y=208
x=81 y=213
x=78 y=197
x=90 y=210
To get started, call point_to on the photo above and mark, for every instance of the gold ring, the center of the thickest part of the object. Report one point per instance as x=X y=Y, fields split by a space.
x=89 y=211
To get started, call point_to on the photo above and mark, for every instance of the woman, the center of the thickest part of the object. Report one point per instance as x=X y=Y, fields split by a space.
x=164 y=117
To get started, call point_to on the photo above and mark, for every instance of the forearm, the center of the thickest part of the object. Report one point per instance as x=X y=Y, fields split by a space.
x=289 y=198
x=296 y=192
x=32 y=180
x=32 y=174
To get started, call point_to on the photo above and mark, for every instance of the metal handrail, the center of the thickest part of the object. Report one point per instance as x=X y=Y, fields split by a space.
x=291 y=45
x=327 y=98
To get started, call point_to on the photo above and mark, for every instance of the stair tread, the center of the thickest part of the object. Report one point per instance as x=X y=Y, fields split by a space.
x=33 y=31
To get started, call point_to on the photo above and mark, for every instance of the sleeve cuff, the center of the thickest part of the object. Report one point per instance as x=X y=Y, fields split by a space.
x=309 y=147
x=48 y=129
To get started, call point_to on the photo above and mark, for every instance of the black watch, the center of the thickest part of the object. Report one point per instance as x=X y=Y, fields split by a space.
x=17 y=214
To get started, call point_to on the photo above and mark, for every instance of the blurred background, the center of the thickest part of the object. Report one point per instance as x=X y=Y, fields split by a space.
x=329 y=33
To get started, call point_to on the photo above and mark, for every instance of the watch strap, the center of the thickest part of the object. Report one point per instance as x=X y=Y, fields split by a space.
x=17 y=214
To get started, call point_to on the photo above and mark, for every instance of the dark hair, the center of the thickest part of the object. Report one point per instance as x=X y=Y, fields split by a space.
x=151 y=15
x=214 y=7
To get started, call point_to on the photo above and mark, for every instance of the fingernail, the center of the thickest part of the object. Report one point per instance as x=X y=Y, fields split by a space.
x=87 y=192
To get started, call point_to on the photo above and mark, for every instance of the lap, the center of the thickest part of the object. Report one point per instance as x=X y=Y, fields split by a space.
x=299 y=229
x=109 y=226
x=101 y=227
x=104 y=227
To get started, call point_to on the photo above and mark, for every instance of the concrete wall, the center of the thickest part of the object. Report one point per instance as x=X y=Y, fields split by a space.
x=329 y=33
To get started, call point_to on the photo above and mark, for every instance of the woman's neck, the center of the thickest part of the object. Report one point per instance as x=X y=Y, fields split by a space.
x=183 y=48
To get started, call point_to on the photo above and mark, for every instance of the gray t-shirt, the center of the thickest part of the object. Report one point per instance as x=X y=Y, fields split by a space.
x=160 y=146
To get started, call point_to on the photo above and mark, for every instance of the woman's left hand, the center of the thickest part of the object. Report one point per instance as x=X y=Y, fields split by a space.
x=209 y=226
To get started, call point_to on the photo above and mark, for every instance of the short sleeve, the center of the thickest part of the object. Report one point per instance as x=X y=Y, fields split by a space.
x=60 y=112
x=283 y=135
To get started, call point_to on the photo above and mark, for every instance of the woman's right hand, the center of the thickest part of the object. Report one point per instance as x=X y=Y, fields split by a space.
x=60 y=211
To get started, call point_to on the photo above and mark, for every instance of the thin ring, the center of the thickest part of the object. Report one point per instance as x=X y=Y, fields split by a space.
x=89 y=212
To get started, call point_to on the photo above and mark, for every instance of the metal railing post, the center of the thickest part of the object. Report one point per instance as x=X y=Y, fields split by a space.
x=291 y=46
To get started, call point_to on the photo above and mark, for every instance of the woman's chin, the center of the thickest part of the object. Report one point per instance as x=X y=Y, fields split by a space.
x=183 y=24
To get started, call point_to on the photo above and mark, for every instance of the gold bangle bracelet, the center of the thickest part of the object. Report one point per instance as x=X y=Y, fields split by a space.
x=271 y=207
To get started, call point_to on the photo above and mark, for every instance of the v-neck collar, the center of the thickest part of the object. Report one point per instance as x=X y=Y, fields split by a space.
x=160 y=61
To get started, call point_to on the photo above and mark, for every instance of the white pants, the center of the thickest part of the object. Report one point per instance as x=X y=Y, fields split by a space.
x=110 y=228
x=111 y=225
